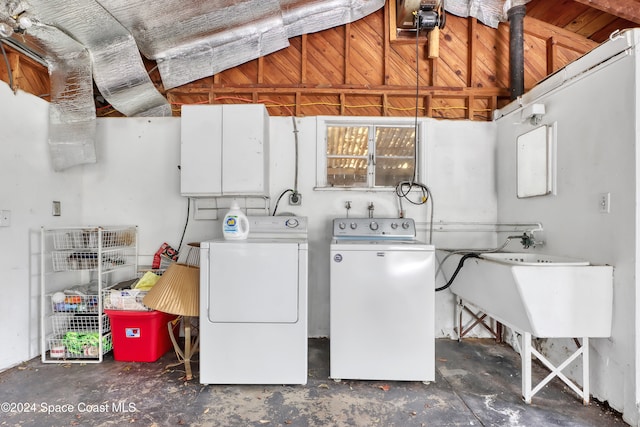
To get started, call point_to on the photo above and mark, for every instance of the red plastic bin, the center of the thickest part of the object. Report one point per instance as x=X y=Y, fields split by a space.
x=139 y=336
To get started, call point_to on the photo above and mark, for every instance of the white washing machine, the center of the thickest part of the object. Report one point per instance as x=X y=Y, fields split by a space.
x=253 y=305
x=382 y=292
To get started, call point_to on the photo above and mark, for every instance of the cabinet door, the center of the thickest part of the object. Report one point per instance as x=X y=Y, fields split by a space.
x=200 y=147
x=245 y=134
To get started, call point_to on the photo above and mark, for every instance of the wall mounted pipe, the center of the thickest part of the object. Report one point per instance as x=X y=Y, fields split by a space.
x=516 y=50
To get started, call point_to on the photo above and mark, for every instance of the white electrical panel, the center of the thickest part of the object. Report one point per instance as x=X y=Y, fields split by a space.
x=224 y=150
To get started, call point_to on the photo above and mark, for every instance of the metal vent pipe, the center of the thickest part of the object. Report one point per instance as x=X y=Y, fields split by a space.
x=516 y=50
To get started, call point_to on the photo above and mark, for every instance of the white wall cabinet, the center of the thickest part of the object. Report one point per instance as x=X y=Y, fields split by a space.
x=224 y=150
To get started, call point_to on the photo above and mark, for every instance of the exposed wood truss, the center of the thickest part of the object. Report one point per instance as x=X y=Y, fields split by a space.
x=26 y=74
x=360 y=70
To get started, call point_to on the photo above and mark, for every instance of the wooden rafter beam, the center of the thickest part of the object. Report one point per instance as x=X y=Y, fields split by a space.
x=626 y=9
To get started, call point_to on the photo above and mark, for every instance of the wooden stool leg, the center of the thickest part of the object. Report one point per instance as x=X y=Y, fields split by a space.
x=187 y=347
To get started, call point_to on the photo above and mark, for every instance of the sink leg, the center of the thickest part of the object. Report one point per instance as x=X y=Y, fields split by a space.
x=526 y=366
x=477 y=318
x=459 y=318
x=585 y=370
x=526 y=353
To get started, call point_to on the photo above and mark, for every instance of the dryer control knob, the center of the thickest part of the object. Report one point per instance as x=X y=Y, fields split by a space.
x=342 y=225
x=292 y=223
x=373 y=225
x=405 y=225
x=353 y=225
x=394 y=225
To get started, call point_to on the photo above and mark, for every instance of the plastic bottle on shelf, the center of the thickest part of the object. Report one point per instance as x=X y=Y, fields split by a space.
x=235 y=225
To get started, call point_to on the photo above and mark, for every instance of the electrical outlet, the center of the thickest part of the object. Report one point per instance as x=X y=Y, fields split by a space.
x=295 y=199
x=604 y=202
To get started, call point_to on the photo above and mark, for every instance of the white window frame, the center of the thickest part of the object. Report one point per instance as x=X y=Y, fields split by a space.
x=322 y=122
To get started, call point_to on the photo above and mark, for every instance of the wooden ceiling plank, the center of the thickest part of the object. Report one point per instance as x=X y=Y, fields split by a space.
x=387 y=43
x=303 y=63
x=559 y=13
x=566 y=38
x=596 y=24
x=626 y=9
x=347 y=58
x=584 y=19
x=472 y=52
x=603 y=33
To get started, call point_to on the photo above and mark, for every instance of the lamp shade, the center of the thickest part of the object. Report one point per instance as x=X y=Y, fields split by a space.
x=177 y=291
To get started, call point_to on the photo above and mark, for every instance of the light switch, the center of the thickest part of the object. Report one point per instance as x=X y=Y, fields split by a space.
x=55 y=210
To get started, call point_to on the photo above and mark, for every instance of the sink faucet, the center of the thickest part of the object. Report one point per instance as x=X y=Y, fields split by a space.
x=532 y=238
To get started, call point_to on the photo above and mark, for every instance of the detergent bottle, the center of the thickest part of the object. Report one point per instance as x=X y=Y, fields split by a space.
x=235 y=225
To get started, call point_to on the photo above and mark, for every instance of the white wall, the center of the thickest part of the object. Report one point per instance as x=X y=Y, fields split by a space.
x=460 y=173
x=28 y=187
x=136 y=181
x=596 y=153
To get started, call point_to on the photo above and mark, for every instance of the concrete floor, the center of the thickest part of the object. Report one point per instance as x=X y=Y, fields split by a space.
x=477 y=384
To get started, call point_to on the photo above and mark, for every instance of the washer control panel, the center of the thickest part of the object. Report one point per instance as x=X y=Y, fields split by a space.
x=374 y=228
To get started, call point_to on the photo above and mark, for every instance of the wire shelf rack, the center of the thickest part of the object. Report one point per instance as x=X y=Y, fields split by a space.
x=67 y=260
x=89 y=238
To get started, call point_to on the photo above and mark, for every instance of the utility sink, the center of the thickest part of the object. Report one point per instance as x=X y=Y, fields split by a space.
x=546 y=296
x=525 y=258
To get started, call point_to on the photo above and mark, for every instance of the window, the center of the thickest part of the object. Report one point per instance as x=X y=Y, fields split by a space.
x=366 y=155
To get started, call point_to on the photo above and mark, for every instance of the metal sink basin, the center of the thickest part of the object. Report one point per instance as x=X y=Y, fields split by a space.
x=544 y=295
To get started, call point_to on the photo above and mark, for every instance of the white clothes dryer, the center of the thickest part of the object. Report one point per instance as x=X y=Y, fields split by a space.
x=253 y=305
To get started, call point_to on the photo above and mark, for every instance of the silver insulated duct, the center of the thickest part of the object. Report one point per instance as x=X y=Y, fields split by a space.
x=118 y=70
x=310 y=16
x=489 y=12
x=81 y=43
x=100 y=41
x=71 y=111
x=197 y=39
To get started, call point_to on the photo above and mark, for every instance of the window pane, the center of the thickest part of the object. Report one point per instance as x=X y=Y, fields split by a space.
x=347 y=154
x=395 y=141
x=391 y=171
x=348 y=140
x=347 y=172
x=395 y=151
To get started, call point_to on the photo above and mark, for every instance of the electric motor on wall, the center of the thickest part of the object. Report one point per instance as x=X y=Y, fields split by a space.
x=421 y=14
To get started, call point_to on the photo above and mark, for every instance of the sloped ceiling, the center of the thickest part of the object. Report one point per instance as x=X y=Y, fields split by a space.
x=102 y=42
